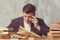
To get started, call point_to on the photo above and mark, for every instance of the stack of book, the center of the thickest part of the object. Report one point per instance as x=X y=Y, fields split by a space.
x=3 y=30
x=4 y=33
x=55 y=28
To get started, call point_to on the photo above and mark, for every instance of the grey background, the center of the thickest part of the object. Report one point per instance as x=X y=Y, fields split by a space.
x=49 y=10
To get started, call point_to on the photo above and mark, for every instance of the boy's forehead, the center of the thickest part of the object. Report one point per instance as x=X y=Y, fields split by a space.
x=30 y=14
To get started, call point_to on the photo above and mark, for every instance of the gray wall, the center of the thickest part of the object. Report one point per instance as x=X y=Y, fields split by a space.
x=49 y=10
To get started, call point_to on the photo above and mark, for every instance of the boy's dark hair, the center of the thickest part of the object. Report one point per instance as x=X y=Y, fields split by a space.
x=28 y=8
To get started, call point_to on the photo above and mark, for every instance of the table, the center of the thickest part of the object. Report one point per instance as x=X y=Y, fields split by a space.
x=49 y=37
x=30 y=38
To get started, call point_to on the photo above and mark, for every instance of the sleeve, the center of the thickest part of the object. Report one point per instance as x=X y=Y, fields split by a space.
x=44 y=28
x=12 y=27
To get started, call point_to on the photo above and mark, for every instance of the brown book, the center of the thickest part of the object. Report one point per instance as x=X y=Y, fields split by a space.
x=55 y=26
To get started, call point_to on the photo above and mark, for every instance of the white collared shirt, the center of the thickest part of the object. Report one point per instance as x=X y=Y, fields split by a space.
x=27 y=26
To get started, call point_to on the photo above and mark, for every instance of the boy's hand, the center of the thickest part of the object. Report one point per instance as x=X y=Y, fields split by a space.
x=35 y=21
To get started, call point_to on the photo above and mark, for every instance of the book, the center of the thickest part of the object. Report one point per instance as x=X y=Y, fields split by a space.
x=24 y=32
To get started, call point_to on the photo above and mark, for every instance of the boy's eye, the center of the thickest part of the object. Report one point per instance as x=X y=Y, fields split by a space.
x=25 y=16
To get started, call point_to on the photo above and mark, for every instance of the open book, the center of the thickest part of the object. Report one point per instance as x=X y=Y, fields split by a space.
x=22 y=31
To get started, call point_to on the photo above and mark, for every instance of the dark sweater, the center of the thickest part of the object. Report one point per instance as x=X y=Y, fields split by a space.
x=15 y=23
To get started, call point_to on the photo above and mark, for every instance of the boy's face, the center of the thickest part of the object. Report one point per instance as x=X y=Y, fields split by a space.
x=28 y=17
